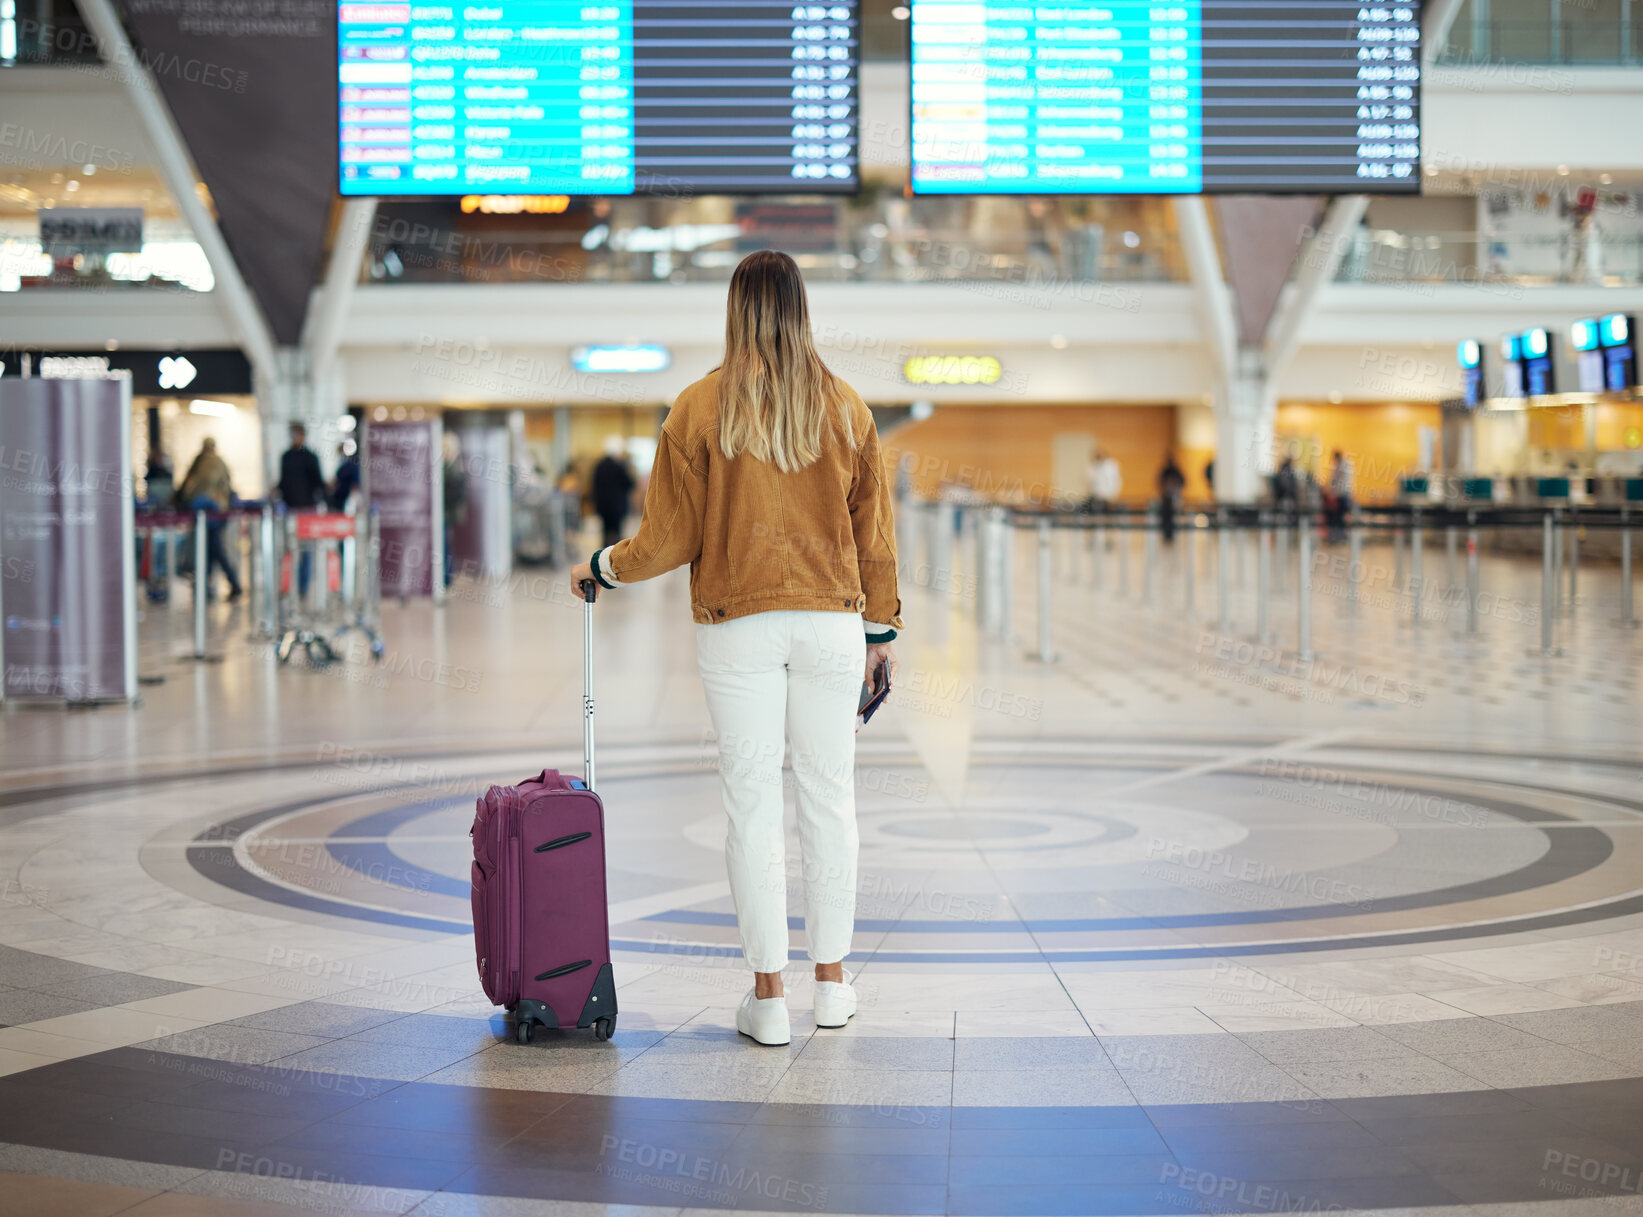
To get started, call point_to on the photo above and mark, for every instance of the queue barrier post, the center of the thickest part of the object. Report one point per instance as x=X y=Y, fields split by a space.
x=1557 y=563
x=1548 y=581
x=1574 y=559
x=1303 y=589
x=1046 y=653
x=1189 y=593
x=1451 y=540
x=1263 y=582
x=202 y=583
x=1354 y=571
x=1149 y=552
x=1416 y=569
x=1472 y=558
x=1124 y=543
x=1626 y=617
x=1223 y=547
x=1006 y=583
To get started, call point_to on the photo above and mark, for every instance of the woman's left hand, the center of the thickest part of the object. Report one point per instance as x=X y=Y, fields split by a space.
x=579 y=574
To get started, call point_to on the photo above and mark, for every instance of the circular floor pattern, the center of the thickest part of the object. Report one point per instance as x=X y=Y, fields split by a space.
x=1369 y=854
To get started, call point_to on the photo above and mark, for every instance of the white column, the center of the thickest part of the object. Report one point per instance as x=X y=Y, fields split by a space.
x=1245 y=412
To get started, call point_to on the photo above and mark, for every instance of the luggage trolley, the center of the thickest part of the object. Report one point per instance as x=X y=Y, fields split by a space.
x=328 y=543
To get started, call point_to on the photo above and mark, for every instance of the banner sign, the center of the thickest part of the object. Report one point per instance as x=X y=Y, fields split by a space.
x=65 y=231
x=67 y=561
x=401 y=473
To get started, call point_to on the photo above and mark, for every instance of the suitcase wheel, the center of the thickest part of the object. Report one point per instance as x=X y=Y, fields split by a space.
x=604 y=1028
x=522 y=1031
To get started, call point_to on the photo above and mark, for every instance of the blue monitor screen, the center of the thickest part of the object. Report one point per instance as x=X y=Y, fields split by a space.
x=630 y=97
x=1135 y=97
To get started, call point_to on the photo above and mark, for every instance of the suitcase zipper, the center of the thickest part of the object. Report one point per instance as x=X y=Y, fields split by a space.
x=563 y=841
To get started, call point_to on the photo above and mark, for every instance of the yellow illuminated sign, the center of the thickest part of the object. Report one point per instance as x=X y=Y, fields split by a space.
x=515 y=204
x=952 y=370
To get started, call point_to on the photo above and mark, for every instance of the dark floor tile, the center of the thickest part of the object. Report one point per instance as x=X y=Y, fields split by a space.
x=1528 y=1159
x=1246 y=1138
x=1043 y=1142
x=1326 y=1195
x=598 y=1106
x=840 y=1139
x=1624 y=1092
x=635 y=1184
x=1459 y=1130
x=1050 y=1117
x=341 y=1136
x=493 y=1114
x=264 y=1097
x=1066 y=1200
x=27 y=970
x=819 y=1172
x=978 y=1170
x=368 y=1170
x=1420 y=1106
x=19 y=1006
x=1492 y=1187
x=206 y=1122
x=113 y=988
x=98 y=1075
x=107 y=1139
x=1184 y=1115
x=1353 y=1162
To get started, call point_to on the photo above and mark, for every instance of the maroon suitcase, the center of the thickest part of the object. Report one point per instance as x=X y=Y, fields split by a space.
x=541 y=922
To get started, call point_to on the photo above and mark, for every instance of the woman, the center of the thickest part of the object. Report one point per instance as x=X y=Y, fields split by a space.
x=769 y=483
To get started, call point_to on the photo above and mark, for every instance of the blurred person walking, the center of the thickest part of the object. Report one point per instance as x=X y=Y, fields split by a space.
x=1170 y=482
x=770 y=485
x=613 y=483
x=1338 y=494
x=454 y=489
x=208 y=486
x=301 y=488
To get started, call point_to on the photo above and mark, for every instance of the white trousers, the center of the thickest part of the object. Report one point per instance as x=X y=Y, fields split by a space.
x=791 y=677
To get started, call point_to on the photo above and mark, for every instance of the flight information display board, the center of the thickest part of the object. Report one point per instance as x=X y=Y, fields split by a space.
x=633 y=97
x=1132 y=97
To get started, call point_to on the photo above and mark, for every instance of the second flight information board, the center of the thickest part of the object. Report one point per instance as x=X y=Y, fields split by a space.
x=1130 y=97
x=560 y=97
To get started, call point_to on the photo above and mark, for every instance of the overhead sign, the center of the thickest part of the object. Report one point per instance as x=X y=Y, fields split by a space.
x=952 y=370
x=1618 y=336
x=630 y=357
x=65 y=231
x=153 y=373
x=1164 y=98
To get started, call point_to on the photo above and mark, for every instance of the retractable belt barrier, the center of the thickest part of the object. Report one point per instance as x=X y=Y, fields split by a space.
x=980 y=536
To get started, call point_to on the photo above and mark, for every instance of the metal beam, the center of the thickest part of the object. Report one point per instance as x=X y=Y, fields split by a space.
x=177 y=171
x=328 y=314
x=1439 y=19
x=1316 y=267
x=1215 y=309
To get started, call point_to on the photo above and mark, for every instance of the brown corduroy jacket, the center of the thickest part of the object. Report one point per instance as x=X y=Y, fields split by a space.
x=758 y=539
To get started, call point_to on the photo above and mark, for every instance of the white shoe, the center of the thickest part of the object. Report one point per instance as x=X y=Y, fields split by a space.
x=764 y=1019
x=835 y=1001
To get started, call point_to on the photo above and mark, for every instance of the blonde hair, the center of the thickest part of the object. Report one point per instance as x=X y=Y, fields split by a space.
x=776 y=396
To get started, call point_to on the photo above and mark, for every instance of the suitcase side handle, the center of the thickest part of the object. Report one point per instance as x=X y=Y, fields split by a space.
x=561 y=842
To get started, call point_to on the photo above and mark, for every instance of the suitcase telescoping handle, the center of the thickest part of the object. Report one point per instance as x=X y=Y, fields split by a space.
x=590 y=593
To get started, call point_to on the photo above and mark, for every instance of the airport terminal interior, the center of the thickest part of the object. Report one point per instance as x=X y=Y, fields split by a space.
x=1248 y=825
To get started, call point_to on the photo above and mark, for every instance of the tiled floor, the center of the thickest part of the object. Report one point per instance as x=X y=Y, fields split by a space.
x=1175 y=923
